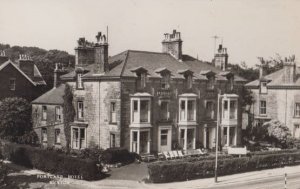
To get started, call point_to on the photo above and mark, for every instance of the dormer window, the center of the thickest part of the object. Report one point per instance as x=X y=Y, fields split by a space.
x=263 y=87
x=141 y=74
x=211 y=82
x=188 y=75
x=142 y=80
x=165 y=81
x=231 y=82
x=79 y=81
x=189 y=80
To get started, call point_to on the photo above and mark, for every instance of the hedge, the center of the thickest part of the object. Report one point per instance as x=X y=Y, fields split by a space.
x=170 y=171
x=50 y=161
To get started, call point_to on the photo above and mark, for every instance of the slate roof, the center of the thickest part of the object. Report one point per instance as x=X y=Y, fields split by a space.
x=36 y=79
x=121 y=65
x=53 y=96
x=274 y=80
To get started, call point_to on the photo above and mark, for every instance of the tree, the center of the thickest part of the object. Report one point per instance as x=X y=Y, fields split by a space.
x=277 y=133
x=69 y=114
x=15 y=118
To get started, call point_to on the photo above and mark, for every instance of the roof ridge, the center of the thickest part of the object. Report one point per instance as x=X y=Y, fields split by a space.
x=150 y=52
x=125 y=63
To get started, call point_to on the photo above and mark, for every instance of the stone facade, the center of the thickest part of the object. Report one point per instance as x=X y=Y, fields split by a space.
x=281 y=93
x=49 y=124
x=119 y=100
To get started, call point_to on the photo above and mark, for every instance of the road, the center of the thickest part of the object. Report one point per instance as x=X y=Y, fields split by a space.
x=264 y=179
x=272 y=182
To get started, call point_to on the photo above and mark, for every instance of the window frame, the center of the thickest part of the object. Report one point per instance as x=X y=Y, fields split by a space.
x=135 y=110
x=44 y=113
x=58 y=114
x=297 y=109
x=211 y=114
x=210 y=83
x=167 y=109
x=44 y=135
x=12 y=86
x=113 y=112
x=57 y=136
x=165 y=81
x=186 y=103
x=79 y=82
x=80 y=114
x=263 y=87
x=262 y=110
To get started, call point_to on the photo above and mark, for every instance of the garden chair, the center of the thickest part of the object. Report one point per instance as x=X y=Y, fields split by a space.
x=167 y=156
x=172 y=155
x=175 y=154
x=180 y=154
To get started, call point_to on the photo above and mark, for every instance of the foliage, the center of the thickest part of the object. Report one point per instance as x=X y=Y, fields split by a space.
x=56 y=163
x=244 y=71
x=30 y=137
x=3 y=175
x=277 y=132
x=45 y=60
x=171 y=171
x=246 y=97
x=91 y=153
x=68 y=114
x=15 y=118
x=117 y=155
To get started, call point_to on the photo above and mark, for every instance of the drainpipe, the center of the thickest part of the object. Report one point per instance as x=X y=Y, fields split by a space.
x=285 y=106
x=99 y=113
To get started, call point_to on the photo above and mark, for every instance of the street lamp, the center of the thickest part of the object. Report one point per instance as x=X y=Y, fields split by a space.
x=217 y=137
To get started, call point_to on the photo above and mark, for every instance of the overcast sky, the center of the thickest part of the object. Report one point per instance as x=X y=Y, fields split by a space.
x=249 y=28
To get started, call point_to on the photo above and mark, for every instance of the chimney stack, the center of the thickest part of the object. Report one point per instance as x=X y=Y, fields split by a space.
x=26 y=64
x=101 y=53
x=172 y=44
x=221 y=58
x=87 y=53
x=3 y=57
x=289 y=67
x=58 y=71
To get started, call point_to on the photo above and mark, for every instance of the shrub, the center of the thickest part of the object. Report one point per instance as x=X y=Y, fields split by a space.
x=117 y=155
x=170 y=171
x=51 y=161
x=91 y=153
x=15 y=118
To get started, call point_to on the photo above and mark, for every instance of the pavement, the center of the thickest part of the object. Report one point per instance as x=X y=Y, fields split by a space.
x=264 y=179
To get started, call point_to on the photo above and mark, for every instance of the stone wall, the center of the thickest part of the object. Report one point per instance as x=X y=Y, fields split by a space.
x=50 y=124
x=280 y=105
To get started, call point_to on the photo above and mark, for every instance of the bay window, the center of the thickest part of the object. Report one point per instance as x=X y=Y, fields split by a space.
x=140 y=110
x=187 y=109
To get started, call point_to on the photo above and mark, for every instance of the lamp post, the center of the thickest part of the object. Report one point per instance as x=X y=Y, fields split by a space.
x=217 y=137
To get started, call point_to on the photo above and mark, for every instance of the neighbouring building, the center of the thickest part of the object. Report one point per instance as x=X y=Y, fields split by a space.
x=144 y=101
x=20 y=79
x=277 y=96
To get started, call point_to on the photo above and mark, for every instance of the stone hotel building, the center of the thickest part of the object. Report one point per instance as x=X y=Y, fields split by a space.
x=144 y=101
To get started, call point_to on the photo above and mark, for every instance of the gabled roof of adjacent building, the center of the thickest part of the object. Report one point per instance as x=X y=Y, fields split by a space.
x=36 y=79
x=274 y=80
x=53 y=96
x=121 y=65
